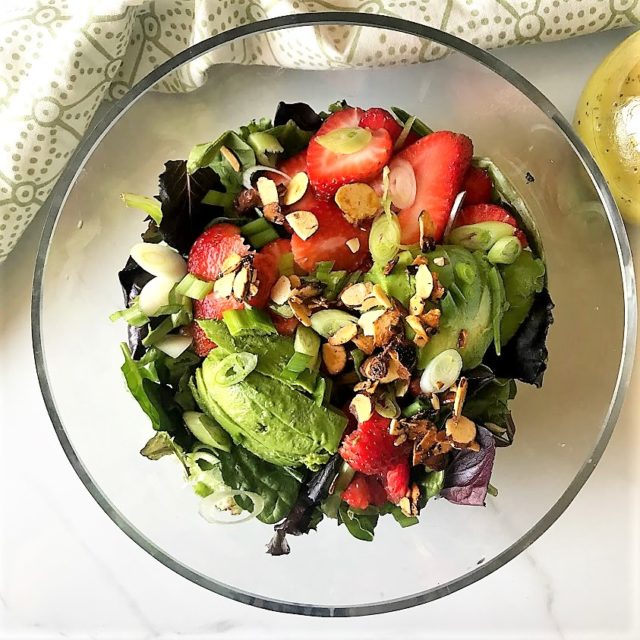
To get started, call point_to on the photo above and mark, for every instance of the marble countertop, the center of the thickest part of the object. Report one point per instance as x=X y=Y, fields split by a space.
x=67 y=572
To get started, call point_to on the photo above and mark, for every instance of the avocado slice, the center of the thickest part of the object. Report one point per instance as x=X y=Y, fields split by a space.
x=274 y=421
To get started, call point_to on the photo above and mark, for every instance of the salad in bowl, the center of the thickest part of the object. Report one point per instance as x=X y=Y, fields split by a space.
x=327 y=316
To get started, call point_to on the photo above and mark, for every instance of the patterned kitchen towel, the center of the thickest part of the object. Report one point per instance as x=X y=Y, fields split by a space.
x=59 y=59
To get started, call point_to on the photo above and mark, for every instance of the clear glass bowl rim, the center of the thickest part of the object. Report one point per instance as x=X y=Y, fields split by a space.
x=93 y=139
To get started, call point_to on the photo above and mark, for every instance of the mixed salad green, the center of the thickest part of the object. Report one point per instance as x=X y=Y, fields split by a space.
x=327 y=316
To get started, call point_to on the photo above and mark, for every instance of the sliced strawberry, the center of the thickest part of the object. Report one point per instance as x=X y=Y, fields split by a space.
x=284 y=326
x=440 y=162
x=357 y=494
x=377 y=118
x=396 y=481
x=489 y=213
x=329 y=241
x=328 y=170
x=211 y=249
x=276 y=249
x=371 y=449
x=477 y=186
x=201 y=344
x=267 y=270
x=377 y=493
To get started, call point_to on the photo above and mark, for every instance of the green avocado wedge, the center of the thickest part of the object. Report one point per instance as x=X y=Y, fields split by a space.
x=272 y=420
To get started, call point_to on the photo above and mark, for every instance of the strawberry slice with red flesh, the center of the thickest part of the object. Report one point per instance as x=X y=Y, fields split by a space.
x=440 y=162
x=284 y=326
x=329 y=241
x=364 y=491
x=396 y=481
x=377 y=118
x=489 y=213
x=329 y=170
x=477 y=186
x=201 y=344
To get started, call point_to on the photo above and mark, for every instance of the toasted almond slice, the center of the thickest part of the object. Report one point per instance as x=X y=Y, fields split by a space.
x=354 y=295
x=353 y=244
x=401 y=388
x=223 y=286
x=390 y=266
x=296 y=188
x=427 y=231
x=358 y=201
x=405 y=506
x=361 y=407
x=301 y=312
x=334 y=357
x=462 y=339
x=401 y=439
x=424 y=282
x=241 y=283
x=393 y=372
x=344 y=334
x=461 y=394
x=230 y=157
x=267 y=190
x=367 y=321
x=461 y=429
x=439 y=261
x=380 y=295
x=419 y=259
x=303 y=223
x=395 y=428
x=296 y=283
x=253 y=290
x=421 y=338
x=431 y=318
x=307 y=291
x=273 y=213
x=435 y=402
x=366 y=344
x=231 y=264
x=281 y=290
x=416 y=305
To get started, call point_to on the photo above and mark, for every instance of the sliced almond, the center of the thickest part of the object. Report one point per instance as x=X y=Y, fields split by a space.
x=361 y=407
x=393 y=372
x=231 y=264
x=438 y=289
x=273 y=213
x=427 y=231
x=241 y=284
x=435 y=402
x=390 y=266
x=395 y=428
x=308 y=291
x=367 y=321
x=419 y=259
x=223 y=286
x=358 y=201
x=230 y=157
x=301 y=312
x=253 y=290
x=424 y=282
x=303 y=223
x=281 y=290
x=386 y=327
x=354 y=295
x=462 y=339
x=296 y=188
x=421 y=338
x=344 y=334
x=431 y=318
x=353 y=244
x=334 y=358
x=405 y=506
x=439 y=261
x=416 y=305
x=295 y=281
x=401 y=388
x=267 y=190
x=460 y=430
x=461 y=394
x=366 y=344
x=380 y=295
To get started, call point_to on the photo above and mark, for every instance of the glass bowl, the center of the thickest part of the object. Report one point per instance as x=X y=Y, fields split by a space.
x=562 y=428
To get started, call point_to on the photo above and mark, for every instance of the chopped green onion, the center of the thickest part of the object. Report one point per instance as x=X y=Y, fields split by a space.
x=150 y=206
x=441 y=372
x=306 y=341
x=266 y=147
x=299 y=362
x=353 y=278
x=498 y=305
x=206 y=430
x=193 y=287
x=248 y=321
x=345 y=140
x=323 y=268
x=286 y=264
x=218 y=198
x=505 y=251
x=132 y=315
x=283 y=310
x=255 y=226
x=481 y=235
x=263 y=238
x=465 y=272
x=408 y=125
x=155 y=335
x=491 y=490
x=412 y=409
x=342 y=481
x=322 y=392
x=234 y=368
x=384 y=237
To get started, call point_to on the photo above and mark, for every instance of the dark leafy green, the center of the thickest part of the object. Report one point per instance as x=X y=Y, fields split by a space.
x=430 y=483
x=298 y=112
x=524 y=357
x=132 y=278
x=278 y=488
x=467 y=476
x=305 y=514
x=491 y=402
x=184 y=217
x=359 y=525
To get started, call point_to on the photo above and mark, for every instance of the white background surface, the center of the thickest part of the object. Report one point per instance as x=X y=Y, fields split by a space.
x=66 y=571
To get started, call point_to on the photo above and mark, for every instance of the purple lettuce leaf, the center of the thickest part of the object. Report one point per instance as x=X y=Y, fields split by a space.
x=467 y=476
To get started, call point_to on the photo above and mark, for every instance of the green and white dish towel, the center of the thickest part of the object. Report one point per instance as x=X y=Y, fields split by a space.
x=59 y=59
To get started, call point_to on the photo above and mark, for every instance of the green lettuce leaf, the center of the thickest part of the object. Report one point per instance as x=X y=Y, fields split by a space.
x=278 y=488
x=359 y=525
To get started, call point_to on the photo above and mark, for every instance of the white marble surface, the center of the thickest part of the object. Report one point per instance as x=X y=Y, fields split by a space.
x=66 y=571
